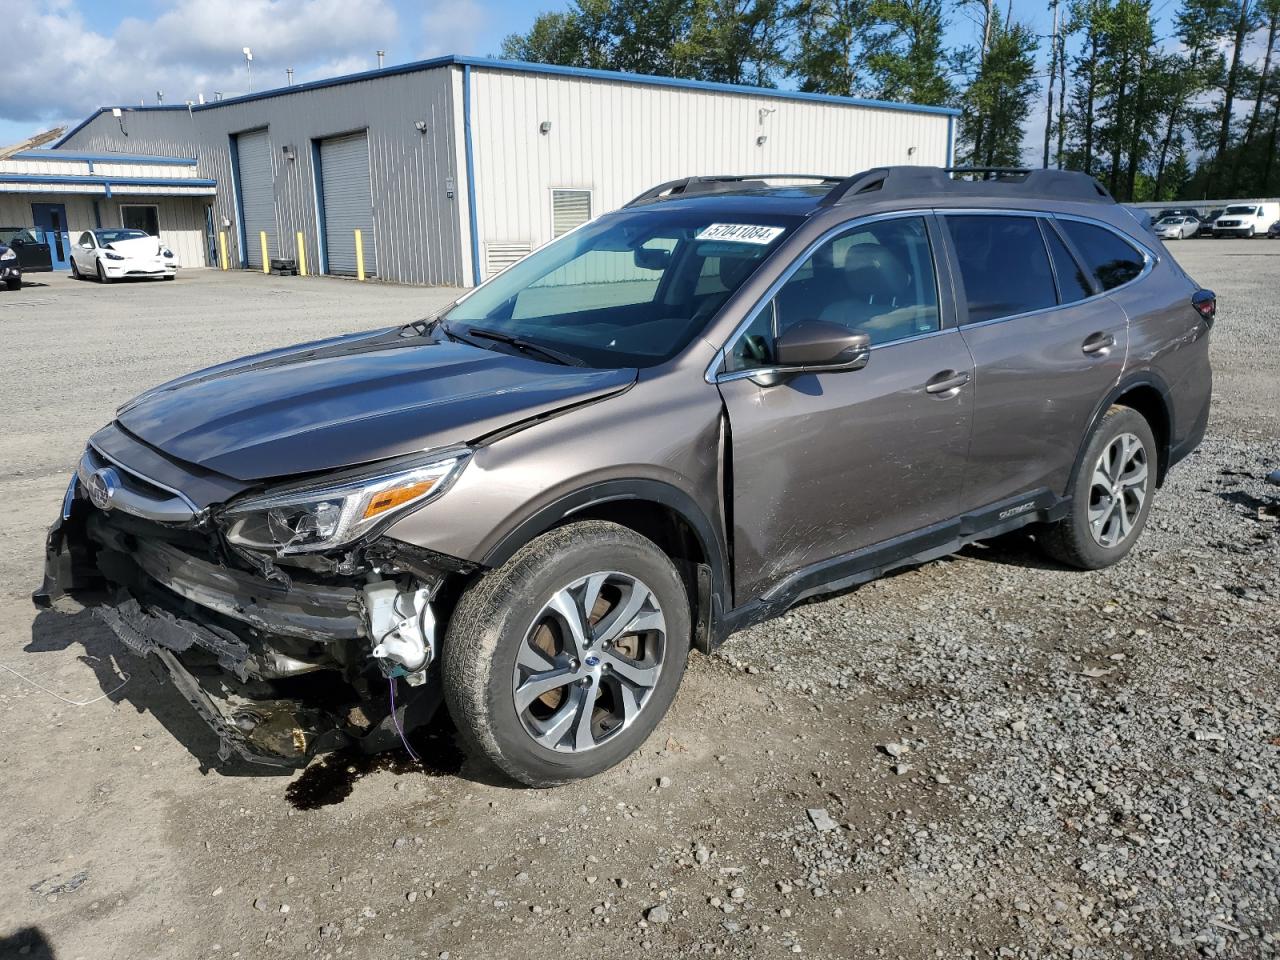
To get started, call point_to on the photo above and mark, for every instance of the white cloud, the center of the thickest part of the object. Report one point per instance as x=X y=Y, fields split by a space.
x=454 y=26
x=69 y=69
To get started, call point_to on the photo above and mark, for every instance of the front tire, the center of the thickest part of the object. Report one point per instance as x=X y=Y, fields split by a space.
x=560 y=663
x=1111 y=495
x=15 y=284
x=102 y=274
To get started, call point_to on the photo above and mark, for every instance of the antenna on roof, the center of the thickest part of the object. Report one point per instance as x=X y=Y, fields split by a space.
x=288 y=71
x=160 y=97
x=248 y=66
x=381 y=55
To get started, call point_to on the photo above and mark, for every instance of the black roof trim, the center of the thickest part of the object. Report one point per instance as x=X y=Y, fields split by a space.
x=724 y=183
x=907 y=183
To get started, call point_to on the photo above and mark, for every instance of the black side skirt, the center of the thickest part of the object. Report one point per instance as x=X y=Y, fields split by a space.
x=871 y=563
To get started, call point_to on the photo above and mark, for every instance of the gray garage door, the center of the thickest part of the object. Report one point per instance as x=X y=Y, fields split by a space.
x=257 y=196
x=348 y=203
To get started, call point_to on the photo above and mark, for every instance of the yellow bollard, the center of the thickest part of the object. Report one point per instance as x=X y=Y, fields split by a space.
x=266 y=261
x=302 y=255
x=359 y=257
x=222 y=248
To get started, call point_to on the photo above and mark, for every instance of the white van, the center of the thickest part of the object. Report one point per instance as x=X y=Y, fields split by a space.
x=1246 y=219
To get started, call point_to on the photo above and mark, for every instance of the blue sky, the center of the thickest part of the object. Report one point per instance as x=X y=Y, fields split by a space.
x=80 y=54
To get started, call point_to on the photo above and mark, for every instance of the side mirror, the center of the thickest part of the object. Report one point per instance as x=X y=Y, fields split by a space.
x=815 y=345
x=17 y=242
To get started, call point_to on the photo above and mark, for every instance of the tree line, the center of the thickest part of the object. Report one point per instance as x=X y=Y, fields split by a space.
x=1189 y=113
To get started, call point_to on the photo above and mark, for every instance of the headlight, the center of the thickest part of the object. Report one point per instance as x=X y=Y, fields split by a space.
x=8 y=254
x=112 y=256
x=312 y=518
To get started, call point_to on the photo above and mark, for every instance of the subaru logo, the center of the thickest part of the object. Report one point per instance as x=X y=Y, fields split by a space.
x=102 y=486
x=593 y=661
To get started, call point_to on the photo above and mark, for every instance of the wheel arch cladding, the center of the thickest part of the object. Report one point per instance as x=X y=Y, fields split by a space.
x=655 y=510
x=1148 y=394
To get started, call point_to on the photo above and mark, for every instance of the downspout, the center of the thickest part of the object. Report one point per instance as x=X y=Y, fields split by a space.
x=471 y=174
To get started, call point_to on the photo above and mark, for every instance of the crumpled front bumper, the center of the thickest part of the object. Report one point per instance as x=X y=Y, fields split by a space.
x=230 y=643
x=276 y=732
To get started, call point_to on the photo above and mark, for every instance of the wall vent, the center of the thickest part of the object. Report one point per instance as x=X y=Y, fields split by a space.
x=499 y=256
x=569 y=209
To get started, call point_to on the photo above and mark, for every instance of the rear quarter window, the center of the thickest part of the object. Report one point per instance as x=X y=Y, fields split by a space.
x=1111 y=260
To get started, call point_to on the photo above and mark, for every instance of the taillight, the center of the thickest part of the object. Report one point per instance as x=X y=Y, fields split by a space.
x=1206 y=304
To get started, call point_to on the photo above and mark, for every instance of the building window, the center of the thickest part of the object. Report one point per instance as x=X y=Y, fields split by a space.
x=144 y=217
x=569 y=209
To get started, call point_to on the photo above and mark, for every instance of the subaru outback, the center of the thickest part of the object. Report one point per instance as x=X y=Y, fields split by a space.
x=676 y=421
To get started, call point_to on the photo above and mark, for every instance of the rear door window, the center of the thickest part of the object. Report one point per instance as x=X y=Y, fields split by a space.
x=1003 y=263
x=1111 y=260
x=1073 y=285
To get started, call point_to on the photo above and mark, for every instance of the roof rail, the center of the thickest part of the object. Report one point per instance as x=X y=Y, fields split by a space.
x=1014 y=182
x=723 y=183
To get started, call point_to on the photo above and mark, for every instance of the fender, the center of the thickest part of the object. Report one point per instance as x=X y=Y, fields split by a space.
x=641 y=490
x=1139 y=378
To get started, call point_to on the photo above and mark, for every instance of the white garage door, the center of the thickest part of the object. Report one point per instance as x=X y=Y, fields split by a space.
x=257 y=196
x=348 y=203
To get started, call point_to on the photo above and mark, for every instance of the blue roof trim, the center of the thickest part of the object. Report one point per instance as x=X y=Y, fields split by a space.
x=53 y=178
x=521 y=66
x=79 y=156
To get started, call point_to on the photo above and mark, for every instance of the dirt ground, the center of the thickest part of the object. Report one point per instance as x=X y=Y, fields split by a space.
x=982 y=756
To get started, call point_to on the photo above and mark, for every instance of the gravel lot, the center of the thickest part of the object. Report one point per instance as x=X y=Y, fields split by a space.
x=984 y=756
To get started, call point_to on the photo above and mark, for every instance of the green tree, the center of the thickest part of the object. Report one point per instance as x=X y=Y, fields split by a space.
x=906 y=60
x=741 y=41
x=829 y=49
x=997 y=99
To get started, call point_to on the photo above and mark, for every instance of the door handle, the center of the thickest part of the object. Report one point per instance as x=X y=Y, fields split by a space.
x=1098 y=343
x=946 y=382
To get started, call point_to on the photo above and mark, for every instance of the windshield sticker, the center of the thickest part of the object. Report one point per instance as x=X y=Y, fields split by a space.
x=740 y=233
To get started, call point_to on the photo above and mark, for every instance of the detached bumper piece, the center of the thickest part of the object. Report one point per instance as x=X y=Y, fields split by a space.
x=277 y=732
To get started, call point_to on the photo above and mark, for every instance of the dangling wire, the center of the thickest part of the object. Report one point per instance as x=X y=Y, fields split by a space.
x=391 y=681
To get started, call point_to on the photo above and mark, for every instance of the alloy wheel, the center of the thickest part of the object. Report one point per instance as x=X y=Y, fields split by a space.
x=1118 y=490
x=589 y=663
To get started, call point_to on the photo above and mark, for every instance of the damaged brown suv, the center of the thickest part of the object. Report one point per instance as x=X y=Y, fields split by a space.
x=678 y=420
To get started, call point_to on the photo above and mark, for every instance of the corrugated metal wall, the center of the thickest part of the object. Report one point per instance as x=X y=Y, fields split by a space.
x=614 y=138
x=617 y=139
x=418 y=233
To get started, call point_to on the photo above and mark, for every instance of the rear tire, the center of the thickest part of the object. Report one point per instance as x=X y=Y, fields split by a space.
x=75 y=271
x=1111 y=494
x=560 y=663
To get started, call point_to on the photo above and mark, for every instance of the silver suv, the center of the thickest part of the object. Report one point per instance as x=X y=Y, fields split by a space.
x=679 y=420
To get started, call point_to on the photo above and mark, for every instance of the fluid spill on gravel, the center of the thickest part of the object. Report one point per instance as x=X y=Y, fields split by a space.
x=331 y=779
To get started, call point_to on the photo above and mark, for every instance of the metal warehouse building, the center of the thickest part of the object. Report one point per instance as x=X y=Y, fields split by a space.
x=452 y=168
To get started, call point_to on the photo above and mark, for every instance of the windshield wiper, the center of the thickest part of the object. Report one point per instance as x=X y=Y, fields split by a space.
x=525 y=346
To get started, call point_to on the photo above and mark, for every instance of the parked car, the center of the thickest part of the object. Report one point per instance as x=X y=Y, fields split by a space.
x=1177 y=212
x=1273 y=231
x=120 y=253
x=1207 y=222
x=10 y=268
x=540 y=498
x=29 y=247
x=1246 y=219
x=1176 y=227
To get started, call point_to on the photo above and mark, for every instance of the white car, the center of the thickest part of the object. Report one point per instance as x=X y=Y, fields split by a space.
x=111 y=253
x=1176 y=228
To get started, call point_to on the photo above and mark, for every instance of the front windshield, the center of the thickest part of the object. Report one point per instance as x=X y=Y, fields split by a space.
x=1171 y=221
x=1241 y=211
x=111 y=236
x=628 y=290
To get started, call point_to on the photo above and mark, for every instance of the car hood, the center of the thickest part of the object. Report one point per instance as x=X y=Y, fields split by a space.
x=136 y=247
x=351 y=400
